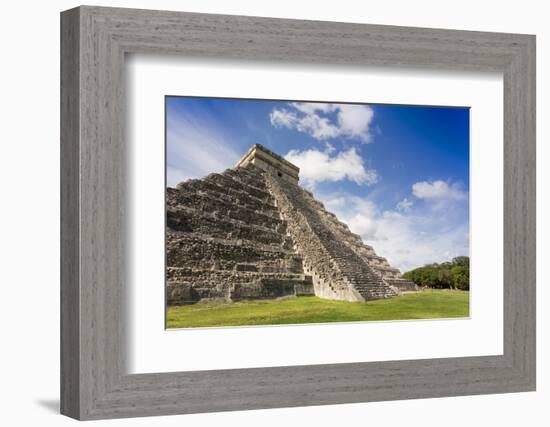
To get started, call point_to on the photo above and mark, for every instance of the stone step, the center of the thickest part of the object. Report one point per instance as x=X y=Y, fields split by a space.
x=187 y=250
x=186 y=219
x=402 y=285
x=225 y=208
x=229 y=195
x=187 y=286
x=186 y=238
x=226 y=181
x=282 y=266
x=247 y=178
x=181 y=253
x=188 y=273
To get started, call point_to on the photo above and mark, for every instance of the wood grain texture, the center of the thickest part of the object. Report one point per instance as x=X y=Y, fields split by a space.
x=94 y=232
x=70 y=297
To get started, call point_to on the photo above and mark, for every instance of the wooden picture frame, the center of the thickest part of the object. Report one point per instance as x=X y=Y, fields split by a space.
x=94 y=382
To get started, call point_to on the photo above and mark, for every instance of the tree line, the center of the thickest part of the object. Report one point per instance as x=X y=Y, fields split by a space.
x=453 y=274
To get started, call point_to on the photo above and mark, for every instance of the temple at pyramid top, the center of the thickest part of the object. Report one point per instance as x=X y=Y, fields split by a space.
x=271 y=162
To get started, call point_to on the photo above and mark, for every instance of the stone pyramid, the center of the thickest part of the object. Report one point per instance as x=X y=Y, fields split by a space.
x=252 y=232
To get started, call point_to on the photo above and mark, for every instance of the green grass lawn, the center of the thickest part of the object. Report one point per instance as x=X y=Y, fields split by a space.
x=421 y=305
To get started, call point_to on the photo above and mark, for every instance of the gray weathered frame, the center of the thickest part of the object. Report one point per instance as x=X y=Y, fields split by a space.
x=94 y=41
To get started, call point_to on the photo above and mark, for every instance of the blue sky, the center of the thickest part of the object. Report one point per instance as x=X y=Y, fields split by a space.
x=397 y=175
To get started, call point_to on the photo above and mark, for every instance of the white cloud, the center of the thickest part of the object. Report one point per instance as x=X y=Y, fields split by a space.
x=410 y=241
x=407 y=240
x=311 y=107
x=438 y=190
x=283 y=118
x=318 y=166
x=404 y=205
x=351 y=121
x=195 y=148
x=354 y=120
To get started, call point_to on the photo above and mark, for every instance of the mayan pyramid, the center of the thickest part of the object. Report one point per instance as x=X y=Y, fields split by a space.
x=252 y=232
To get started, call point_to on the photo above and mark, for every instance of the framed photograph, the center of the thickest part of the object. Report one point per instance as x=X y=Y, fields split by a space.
x=261 y=213
x=256 y=244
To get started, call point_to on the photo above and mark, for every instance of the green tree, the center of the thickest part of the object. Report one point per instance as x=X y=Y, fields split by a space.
x=461 y=277
x=453 y=274
x=444 y=277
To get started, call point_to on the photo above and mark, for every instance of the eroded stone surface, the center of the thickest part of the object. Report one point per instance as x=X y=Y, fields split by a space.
x=252 y=232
